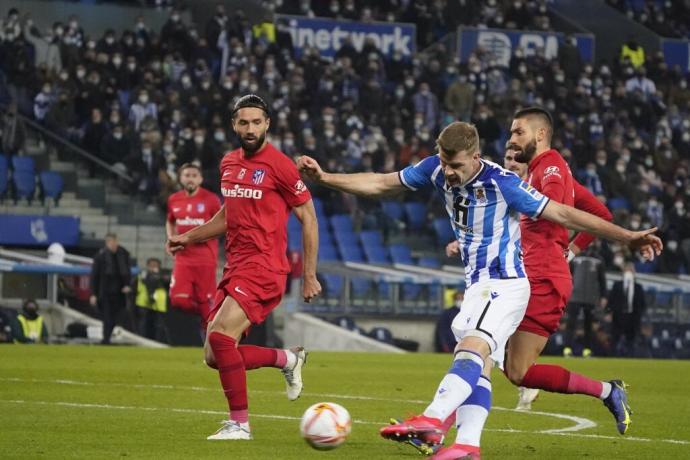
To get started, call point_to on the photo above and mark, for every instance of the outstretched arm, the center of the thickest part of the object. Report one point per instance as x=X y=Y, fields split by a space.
x=645 y=241
x=587 y=202
x=362 y=184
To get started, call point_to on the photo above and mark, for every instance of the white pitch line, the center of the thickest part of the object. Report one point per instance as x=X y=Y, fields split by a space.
x=579 y=422
x=285 y=417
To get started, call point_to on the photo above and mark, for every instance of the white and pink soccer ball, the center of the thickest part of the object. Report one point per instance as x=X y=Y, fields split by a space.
x=325 y=425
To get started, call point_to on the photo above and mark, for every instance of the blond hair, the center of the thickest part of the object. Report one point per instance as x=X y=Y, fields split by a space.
x=458 y=137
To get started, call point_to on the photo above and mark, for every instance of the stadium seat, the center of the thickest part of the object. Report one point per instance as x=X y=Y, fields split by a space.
x=393 y=209
x=618 y=203
x=328 y=253
x=51 y=186
x=372 y=237
x=376 y=254
x=341 y=222
x=351 y=253
x=345 y=237
x=333 y=285
x=444 y=232
x=24 y=185
x=360 y=286
x=382 y=334
x=3 y=176
x=416 y=214
x=429 y=262
x=295 y=240
x=318 y=207
x=23 y=164
x=411 y=291
x=400 y=254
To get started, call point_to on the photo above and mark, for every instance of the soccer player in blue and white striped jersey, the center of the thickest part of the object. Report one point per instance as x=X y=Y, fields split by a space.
x=483 y=202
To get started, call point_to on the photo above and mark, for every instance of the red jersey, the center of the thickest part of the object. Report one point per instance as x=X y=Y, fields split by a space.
x=585 y=201
x=259 y=193
x=545 y=243
x=187 y=212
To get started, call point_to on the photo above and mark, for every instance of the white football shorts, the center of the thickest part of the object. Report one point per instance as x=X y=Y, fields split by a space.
x=492 y=310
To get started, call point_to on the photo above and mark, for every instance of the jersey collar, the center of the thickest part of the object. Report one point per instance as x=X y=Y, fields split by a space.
x=533 y=165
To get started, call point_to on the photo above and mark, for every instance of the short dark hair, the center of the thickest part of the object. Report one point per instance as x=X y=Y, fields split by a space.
x=154 y=259
x=110 y=236
x=540 y=113
x=187 y=166
x=250 y=100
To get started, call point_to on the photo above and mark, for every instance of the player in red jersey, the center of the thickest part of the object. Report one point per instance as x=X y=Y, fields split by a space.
x=545 y=247
x=193 y=279
x=260 y=186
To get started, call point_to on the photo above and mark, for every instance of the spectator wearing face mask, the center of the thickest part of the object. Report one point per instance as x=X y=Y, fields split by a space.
x=671 y=260
x=46 y=48
x=151 y=297
x=426 y=104
x=115 y=146
x=459 y=99
x=30 y=327
x=142 y=109
x=43 y=102
x=144 y=167
x=627 y=304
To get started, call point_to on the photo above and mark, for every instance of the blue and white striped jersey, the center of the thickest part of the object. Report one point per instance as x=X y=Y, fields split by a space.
x=484 y=214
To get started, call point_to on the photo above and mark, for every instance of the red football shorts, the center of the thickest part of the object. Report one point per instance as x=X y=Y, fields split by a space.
x=257 y=291
x=546 y=305
x=197 y=283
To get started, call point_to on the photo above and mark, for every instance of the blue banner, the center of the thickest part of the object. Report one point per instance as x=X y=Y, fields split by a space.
x=327 y=35
x=676 y=53
x=38 y=230
x=501 y=44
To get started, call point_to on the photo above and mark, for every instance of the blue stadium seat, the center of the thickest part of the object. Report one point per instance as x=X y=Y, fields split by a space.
x=325 y=237
x=23 y=164
x=333 y=287
x=618 y=203
x=429 y=262
x=411 y=291
x=400 y=254
x=371 y=237
x=345 y=237
x=382 y=334
x=51 y=186
x=393 y=209
x=341 y=222
x=645 y=267
x=444 y=232
x=4 y=162
x=328 y=253
x=294 y=240
x=663 y=299
x=294 y=223
x=376 y=254
x=3 y=176
x=318 y=206
x=351 y=253
x=24 y=185
x=360 y=286
x=416 y=215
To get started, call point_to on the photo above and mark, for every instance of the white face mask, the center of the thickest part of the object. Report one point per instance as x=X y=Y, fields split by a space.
x=288 y=142
x=219 y=136
x=199 y=139
x=117 y=136
x=143 y=99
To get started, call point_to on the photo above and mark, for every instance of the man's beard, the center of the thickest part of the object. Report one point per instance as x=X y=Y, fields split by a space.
x=525 y=155
x=252 y=146
x=190 y=188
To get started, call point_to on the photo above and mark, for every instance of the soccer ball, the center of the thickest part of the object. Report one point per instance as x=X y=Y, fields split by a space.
x=325 y=425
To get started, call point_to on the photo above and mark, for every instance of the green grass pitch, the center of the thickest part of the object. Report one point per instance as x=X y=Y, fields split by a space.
x=119 y=402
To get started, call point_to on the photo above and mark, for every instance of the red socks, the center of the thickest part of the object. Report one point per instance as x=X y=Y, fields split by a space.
x=233 y=377
x=560 y=380
x=255 y=357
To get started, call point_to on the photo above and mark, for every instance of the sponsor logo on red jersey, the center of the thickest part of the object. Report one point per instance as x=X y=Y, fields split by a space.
x=242 y=192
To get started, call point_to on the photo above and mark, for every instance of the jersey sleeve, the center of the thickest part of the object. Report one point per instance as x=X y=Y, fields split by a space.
x=553 y=181
x=520 y=196
x=587 y=202
x=419 y=175
x=290 y=184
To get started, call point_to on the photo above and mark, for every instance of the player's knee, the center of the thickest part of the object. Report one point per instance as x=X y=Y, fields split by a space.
x=210 y=360
x=514 y=373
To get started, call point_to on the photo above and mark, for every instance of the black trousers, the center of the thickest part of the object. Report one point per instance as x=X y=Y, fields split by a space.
x=112 y=308
x=571 y=324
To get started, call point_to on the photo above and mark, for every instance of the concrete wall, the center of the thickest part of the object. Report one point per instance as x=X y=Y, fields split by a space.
x=315 y=334
x=419 y=330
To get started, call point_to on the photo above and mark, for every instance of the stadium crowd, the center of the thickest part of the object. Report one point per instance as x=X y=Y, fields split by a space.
x=149 y=101
x=665 y=17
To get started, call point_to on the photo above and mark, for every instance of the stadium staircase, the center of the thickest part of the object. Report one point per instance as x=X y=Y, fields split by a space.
x=99 y=203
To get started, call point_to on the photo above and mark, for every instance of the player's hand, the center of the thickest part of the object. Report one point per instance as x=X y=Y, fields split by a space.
x=309 y=168
x=93 y=300
x=310 y=288
x=646 y=243
x=176 y=243
x=453 y=248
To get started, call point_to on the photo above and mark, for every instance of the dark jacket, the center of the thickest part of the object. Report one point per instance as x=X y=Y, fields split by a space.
x=110 y=272
x=618 y=300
